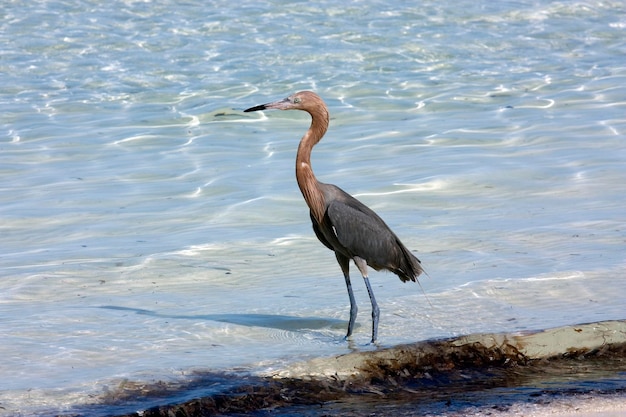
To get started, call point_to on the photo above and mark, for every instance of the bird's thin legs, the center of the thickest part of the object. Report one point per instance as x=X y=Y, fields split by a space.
x=375 y=310
x=353 y=307
x=344 y=263
x=362 y=265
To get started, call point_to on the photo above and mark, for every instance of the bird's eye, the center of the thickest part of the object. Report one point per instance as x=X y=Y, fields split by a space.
x=297 y=100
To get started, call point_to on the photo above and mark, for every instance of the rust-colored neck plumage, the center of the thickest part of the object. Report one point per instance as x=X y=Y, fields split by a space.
x=304 y=172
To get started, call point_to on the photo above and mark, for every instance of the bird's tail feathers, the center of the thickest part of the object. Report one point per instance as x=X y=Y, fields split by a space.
x=413 y=269
x=410 y=266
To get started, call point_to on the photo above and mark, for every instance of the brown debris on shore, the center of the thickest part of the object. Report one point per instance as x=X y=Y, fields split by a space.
x=425 y=372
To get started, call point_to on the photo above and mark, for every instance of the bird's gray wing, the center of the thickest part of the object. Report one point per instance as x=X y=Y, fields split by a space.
x=362 y=233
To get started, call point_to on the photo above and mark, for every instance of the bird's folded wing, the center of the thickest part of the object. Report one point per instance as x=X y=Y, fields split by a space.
x=363 y=233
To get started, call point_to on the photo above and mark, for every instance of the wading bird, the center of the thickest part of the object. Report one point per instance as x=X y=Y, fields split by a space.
x=341 y=222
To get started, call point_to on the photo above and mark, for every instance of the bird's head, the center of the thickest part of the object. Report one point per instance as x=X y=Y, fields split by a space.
x=302 y=100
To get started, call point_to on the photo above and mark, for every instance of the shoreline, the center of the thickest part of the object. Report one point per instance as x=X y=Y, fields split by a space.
x=574 y=369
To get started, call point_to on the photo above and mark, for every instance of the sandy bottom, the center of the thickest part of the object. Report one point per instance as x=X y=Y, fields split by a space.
x=582 y=405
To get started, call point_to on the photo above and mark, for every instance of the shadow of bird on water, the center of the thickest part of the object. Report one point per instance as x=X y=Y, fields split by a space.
x=273 y=321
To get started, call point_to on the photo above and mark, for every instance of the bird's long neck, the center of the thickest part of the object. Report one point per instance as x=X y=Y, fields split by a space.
x=309 y=186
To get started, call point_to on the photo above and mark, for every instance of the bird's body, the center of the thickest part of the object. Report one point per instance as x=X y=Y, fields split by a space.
x=351 y=229
x=341 y=222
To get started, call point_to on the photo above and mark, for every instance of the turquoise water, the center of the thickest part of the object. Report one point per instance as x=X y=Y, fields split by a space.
x=149 y=227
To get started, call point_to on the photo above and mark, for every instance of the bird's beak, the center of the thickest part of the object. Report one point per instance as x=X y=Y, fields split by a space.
x=280 y=105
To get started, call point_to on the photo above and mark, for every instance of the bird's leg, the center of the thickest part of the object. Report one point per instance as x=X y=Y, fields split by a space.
x=375 y=310
x=344 y=263
x=362 y=265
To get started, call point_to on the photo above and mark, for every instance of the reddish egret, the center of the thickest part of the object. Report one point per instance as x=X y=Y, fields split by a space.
x=341 y=222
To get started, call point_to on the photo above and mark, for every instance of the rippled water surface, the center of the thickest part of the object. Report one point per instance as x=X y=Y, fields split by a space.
x=149 y=227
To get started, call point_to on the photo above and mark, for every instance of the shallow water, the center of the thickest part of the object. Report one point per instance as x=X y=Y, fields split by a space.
x=149 y=228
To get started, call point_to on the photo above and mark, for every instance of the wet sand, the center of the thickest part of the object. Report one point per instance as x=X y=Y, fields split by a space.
x=582 y=405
